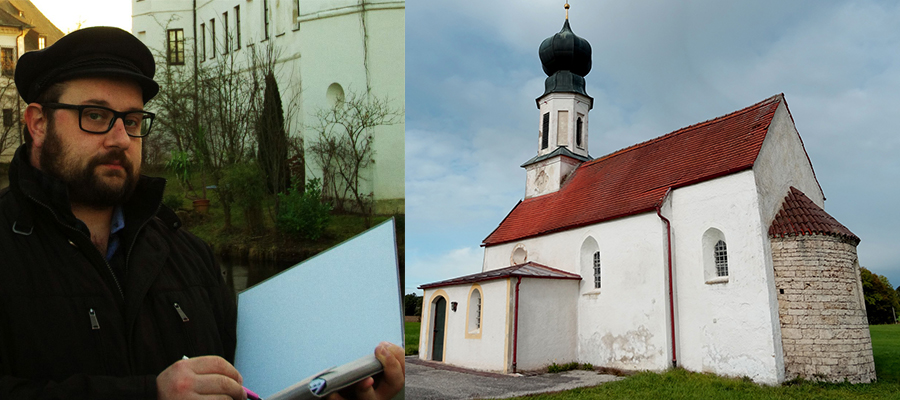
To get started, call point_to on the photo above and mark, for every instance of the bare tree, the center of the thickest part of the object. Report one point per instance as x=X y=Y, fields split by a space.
x=10 y=131
x=343 y=147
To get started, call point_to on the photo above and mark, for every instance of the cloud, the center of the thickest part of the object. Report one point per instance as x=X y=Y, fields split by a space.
x=434 y=268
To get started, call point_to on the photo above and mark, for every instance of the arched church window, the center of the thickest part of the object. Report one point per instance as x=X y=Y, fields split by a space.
x=715 y=257
x=578 y=132
x=545 y=132
x=473 y=312
x=721 y=254
x=597 y=270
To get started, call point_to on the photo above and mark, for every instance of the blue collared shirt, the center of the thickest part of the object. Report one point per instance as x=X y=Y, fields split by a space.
x=116 y=225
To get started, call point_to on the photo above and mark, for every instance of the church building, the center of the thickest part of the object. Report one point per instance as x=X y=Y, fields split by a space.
x=707 y=248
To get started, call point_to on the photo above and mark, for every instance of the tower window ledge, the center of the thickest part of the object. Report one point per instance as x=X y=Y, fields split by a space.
x=592 y=293
x=714 y=281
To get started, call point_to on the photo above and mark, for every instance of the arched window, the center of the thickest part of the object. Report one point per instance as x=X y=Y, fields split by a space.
x=721 y=255
x=545 y=132
x=715 y=257
x=597 y=270
x=578 y=132
x=474 y=313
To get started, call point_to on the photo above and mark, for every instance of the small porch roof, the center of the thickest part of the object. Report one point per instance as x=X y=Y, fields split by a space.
x=526 y=270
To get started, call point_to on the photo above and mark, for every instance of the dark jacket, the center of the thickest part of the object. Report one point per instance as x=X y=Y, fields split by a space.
x=70 y=327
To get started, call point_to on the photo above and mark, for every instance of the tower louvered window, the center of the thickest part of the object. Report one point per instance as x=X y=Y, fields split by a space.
x=545 y=132
x=721 y=259
x=578 y=132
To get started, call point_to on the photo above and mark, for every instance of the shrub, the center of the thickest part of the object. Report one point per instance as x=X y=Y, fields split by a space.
x=303 y=213
x=173 y=201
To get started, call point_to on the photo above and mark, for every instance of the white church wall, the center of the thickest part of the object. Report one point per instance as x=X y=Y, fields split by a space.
x=782 y=162
x=623 y=324
x=726 y=325
x=310 y=63
x=486 y=350
x=547 y=322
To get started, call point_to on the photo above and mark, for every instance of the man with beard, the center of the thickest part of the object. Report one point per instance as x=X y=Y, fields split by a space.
x=101 y=293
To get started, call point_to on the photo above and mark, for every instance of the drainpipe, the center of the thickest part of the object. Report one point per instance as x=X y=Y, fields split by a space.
x=516 y=326
x=671 y=291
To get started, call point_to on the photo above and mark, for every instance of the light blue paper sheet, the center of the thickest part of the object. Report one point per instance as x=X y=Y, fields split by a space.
x=323 y=312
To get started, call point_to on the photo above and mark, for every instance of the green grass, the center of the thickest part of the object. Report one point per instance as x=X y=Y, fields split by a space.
x=681 y=384
x=886 y=349
x=412 y=337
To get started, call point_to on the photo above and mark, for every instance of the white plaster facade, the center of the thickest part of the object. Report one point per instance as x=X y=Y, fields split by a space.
x=728 y=325
x=327 y=48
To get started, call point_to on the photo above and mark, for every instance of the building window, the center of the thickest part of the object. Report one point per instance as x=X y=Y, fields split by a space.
x=296 y=15
x=7 y=117
x=42 y=42
x=8 y=61
x=175 y=48
x=212 y=37
x=237 y=27
x=474 y=312
x=265 y=19
x=597 y=270
x=715 y=257
x=578 y=132
x=721 y=259
x=226 y=34
x=545 y=132
x=203 y=42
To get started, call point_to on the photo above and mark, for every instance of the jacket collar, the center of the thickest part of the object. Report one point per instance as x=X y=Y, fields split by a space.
x=29 y=182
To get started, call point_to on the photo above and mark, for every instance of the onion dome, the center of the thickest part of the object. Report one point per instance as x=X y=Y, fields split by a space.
x=566 y=59
x=565 y=51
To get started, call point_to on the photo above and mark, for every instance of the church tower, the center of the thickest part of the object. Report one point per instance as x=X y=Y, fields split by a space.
x=564 y=107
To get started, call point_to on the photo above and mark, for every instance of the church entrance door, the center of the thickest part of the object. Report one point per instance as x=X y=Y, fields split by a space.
x=437 y=332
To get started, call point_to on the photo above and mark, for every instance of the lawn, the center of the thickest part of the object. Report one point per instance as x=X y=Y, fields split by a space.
x=681 y=384
x=412 y=337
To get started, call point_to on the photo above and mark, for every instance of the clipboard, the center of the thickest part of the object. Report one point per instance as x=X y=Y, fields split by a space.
x=322 y=319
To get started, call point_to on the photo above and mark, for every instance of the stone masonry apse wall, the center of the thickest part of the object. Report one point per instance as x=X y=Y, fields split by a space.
x=824 y=330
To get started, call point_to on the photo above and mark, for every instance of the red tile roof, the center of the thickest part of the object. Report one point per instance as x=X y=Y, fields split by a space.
x=636 y=179
x=526 y=270
x=800 y=216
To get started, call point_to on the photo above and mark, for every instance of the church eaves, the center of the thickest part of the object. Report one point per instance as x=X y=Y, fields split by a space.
x=800 y=216
x=635 y=180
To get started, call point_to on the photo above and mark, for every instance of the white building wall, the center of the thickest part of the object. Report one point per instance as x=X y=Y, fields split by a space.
x=730 y=327
x=623 y=324
x=547 y=322
x=782 y=162
x=487 y=351
x=326 y=44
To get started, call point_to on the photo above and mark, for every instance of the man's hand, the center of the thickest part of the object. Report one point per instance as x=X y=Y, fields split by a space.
x=387 y=384
x=201 y=376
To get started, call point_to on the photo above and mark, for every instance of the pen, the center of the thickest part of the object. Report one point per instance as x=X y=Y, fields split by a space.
x=250 y=394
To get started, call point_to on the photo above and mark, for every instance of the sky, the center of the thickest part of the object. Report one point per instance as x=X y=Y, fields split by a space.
x=473 y=73
x=67 y=15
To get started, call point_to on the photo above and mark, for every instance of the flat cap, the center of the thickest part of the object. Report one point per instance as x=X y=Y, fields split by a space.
x=96 y=51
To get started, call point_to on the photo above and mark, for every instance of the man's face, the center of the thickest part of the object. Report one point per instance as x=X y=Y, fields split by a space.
x=100 y=170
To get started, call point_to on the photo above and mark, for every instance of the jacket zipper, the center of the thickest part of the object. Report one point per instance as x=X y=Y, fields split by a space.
x=184 y=327
x=95 y=327
x=108 y=267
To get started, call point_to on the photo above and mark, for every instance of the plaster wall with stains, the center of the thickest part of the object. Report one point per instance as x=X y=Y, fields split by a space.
x=726 y=325
x=623 y=324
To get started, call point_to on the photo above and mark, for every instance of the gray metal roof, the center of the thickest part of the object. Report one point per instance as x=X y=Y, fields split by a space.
x=526 y=270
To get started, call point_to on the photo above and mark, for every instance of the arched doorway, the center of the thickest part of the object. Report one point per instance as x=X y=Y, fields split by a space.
x=438 y=328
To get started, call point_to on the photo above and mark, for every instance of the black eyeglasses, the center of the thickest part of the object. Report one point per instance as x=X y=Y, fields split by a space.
x=99 y=120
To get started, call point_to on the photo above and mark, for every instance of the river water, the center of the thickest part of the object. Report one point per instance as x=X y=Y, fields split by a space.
x=241 y=274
